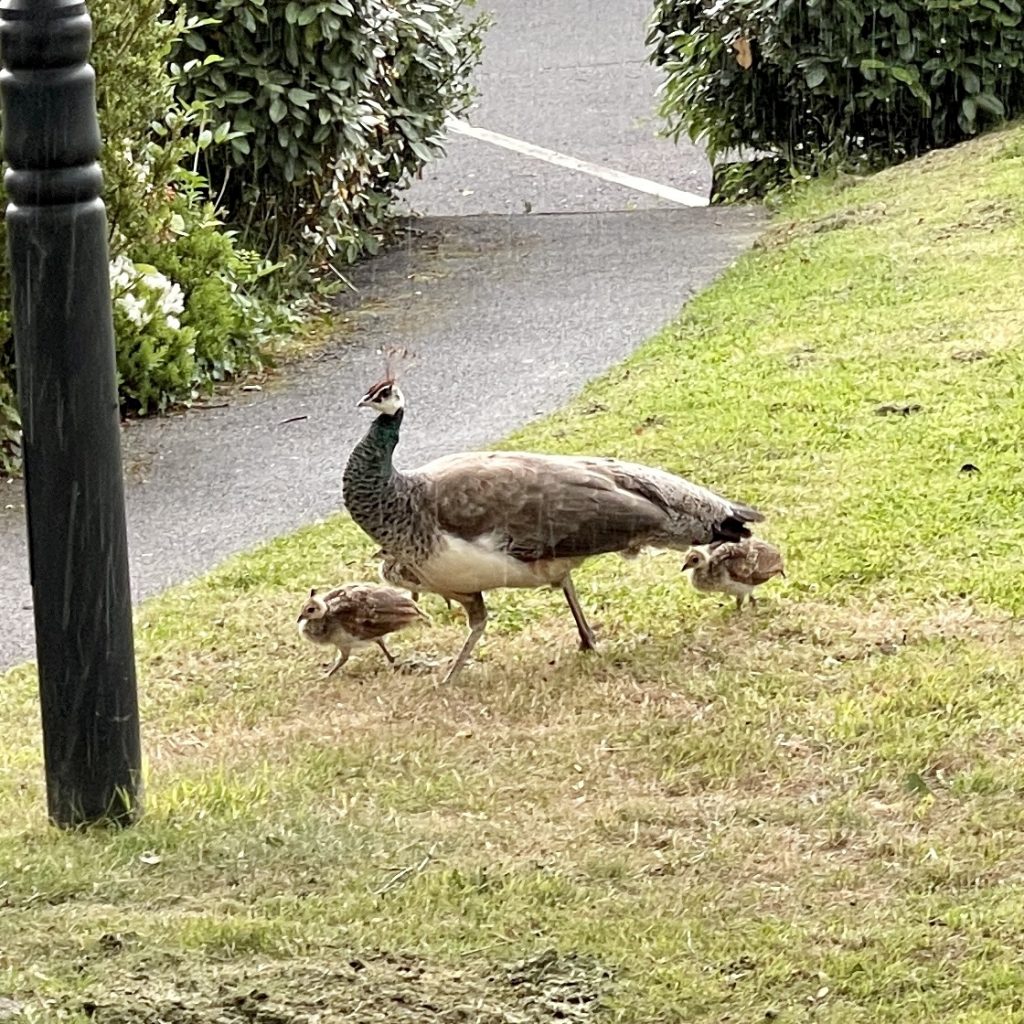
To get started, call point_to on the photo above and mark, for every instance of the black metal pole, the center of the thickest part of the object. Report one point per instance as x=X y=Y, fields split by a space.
x=64 y=349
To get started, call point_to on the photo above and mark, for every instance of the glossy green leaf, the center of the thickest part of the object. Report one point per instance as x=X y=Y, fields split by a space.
x=990 y=104
x=815 y=75
x=278 y=109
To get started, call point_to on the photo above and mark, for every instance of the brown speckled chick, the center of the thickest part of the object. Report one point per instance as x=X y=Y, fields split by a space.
x=357 y=615
x=734 y=569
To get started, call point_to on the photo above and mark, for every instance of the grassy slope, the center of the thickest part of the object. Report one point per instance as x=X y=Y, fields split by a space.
x=812 y=812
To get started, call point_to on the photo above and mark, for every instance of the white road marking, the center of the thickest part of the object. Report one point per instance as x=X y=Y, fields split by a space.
x=652 y=188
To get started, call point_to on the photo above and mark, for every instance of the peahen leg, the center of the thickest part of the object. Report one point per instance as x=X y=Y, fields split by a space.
x=476 y=615
x=587 y=639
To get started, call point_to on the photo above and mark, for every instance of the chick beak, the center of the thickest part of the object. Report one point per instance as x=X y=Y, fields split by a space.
x=363 y=402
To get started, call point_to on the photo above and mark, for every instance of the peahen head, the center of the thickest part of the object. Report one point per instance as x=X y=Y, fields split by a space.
x=385 y=399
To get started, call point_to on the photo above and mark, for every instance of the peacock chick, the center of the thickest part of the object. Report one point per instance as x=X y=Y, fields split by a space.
x=735 y=568
x=356 y=615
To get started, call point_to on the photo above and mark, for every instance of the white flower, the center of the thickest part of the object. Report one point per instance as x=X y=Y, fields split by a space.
x=134 y=308
x=122 y=273
x=139 y=165
x=173 y=299
x=144 y=295
x=170 y=297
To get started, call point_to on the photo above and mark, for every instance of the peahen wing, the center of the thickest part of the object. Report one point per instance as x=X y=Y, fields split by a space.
x=546 y=506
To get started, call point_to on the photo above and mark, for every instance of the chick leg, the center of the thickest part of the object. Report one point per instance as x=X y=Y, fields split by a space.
x=338 y=662
x=476 y=616
x=387 y=654
x=587 y=639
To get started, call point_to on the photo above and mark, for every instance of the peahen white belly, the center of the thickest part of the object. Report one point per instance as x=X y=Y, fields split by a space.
x=462 y=566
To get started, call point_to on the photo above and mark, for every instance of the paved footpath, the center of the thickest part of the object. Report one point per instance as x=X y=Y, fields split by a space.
x=522 y=279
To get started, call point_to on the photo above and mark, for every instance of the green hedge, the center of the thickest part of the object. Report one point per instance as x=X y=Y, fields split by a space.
x=837 y=83
x=334 y=105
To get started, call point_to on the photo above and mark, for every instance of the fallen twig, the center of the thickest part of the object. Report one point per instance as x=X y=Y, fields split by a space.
x=400 y=877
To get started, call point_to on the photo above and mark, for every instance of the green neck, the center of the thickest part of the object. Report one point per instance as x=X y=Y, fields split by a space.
x=370 y=473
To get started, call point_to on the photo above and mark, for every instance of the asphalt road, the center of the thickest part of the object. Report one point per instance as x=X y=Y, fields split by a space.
x=508 y=312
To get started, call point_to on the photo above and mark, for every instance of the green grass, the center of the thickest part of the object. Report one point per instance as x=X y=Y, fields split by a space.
x=808 y=813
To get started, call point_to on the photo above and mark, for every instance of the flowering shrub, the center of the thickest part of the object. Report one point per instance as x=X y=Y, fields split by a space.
x=144 y=294
x=155 y=355
x=234 y=326
x=10 y=427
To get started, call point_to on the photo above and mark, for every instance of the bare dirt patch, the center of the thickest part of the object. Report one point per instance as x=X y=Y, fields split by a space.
x=381 y=987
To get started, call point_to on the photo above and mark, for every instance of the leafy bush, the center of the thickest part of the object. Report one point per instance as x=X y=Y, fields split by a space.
x=844 y=83
x=10 y=426
x=335 y=105
x=182 y=314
